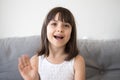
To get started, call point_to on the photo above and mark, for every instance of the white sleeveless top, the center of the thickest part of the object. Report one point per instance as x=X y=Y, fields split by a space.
x=50 y=71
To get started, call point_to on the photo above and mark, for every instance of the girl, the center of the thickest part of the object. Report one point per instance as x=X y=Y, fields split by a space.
x=58 y=58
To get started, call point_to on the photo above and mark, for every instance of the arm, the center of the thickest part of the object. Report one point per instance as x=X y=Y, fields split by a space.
x=79 y=67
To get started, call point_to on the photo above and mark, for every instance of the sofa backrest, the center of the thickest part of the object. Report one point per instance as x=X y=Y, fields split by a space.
x=101 y=56
x=102 y=59
x=10 y=50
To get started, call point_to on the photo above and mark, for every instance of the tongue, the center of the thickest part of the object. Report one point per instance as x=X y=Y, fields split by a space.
x=58 y=37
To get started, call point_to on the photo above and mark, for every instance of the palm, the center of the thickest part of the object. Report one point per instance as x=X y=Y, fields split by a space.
x=27 y=71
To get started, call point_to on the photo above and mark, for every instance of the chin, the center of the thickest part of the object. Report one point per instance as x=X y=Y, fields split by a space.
x=59 y=45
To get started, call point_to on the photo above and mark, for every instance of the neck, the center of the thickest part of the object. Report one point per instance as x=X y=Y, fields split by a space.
x=56 y=54
x=56 y=51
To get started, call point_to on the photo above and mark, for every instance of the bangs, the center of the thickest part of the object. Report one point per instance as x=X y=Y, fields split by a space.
x=63 y=16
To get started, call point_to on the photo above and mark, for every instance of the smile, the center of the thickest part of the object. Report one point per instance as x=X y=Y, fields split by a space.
x=58 y=37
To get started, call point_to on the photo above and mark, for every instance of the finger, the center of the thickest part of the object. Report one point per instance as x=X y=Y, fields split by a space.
x=20 y=64
x=27 y=60
x=24 y=60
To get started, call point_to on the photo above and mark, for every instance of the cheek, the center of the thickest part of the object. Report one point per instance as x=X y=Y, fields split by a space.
x=49 y=32
x=70 y=31
x=68 y=34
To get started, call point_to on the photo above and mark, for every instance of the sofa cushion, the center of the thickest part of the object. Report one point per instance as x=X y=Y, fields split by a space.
x=102 y=59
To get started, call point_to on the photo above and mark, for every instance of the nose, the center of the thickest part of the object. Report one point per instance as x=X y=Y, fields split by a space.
x=60 y=28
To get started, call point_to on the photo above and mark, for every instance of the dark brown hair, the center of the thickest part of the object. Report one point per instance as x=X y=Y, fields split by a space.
x=66 y=16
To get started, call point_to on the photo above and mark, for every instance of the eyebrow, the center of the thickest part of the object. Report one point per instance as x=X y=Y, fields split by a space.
x=61 y=21
x=54 y=20
x=58 y=20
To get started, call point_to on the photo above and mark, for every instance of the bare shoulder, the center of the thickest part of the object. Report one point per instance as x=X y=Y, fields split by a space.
x=79 y=62
x=79 y=68
x=79 y=59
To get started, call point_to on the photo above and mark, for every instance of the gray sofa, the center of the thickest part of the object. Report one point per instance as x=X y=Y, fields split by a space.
x=102 y=57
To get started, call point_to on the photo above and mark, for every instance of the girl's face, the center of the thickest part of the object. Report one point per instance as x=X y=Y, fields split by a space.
x=58 y=32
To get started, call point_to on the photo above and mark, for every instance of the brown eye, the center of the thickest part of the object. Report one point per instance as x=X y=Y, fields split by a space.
x=54 y=24
x=66 y=25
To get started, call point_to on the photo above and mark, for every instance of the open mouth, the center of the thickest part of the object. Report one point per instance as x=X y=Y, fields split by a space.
x=58 y=37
